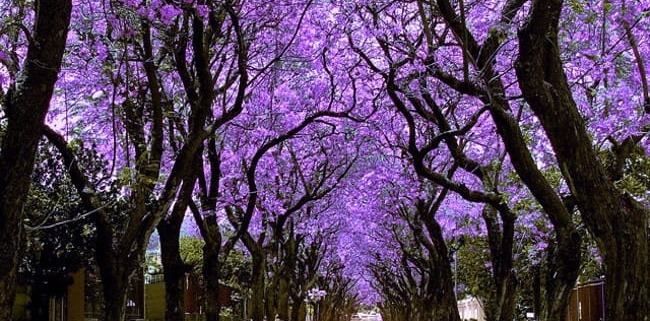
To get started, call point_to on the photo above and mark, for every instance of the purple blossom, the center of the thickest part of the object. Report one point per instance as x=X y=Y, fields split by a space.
x=168 y=13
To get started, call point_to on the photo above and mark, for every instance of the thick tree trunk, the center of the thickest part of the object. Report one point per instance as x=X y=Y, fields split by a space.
x=25 y=106
x=501 y=307
x=298 y=310
x=618 y=223
x=115 y=285
x=563 y=268
x=283 y=298
x=286 y=277
x=173 y=270
x=7 y=286
x=445 y=307
x=115 y=270
x=260 y=301
x=626 y=264
x=211 y=275
x=257 y=288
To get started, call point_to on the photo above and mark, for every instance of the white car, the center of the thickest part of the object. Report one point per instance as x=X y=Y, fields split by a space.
x=372 y=315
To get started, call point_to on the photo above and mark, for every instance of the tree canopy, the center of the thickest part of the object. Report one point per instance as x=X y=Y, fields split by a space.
x=398 y=153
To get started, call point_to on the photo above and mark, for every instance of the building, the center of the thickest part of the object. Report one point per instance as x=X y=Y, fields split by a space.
x=471 y=309
x=145 y=300
x=155 y=298
x=82 y=300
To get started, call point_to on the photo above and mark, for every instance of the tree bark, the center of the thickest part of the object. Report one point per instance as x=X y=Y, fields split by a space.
x=211 y=275
x=257 y=286
x=283 y=298
x=501 y=307
x=559 y=277
x=287 y=274
x=173 y=269
x=115 y=285
x=25 y=106
x=445 y=307
x=617 y=221
x=298 y=307
x=298 y=311
x=444 y=304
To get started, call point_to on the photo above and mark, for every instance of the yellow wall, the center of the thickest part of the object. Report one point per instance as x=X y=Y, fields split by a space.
x=20 y=309
x=154 y=294
x=76 y=296
x=154 y=300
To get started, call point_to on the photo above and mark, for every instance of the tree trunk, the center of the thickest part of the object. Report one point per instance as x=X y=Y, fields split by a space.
x=289 y=281
x=445 y=307
x=618 y=223
x=211 y=275
x=169 y=230
x=115 y=270
x=563 y=268
x=442 y=291
x=626 y=262
x=25 y=106
x=260 y=301
x=302 y=312
x=115 y=285
x=501 y=307
x=283 y=298
x=298 y=311
x=173 y=270
x=257 y=287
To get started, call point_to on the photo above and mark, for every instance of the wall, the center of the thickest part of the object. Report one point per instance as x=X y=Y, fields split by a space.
x=154 y=294
x=587 y=302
